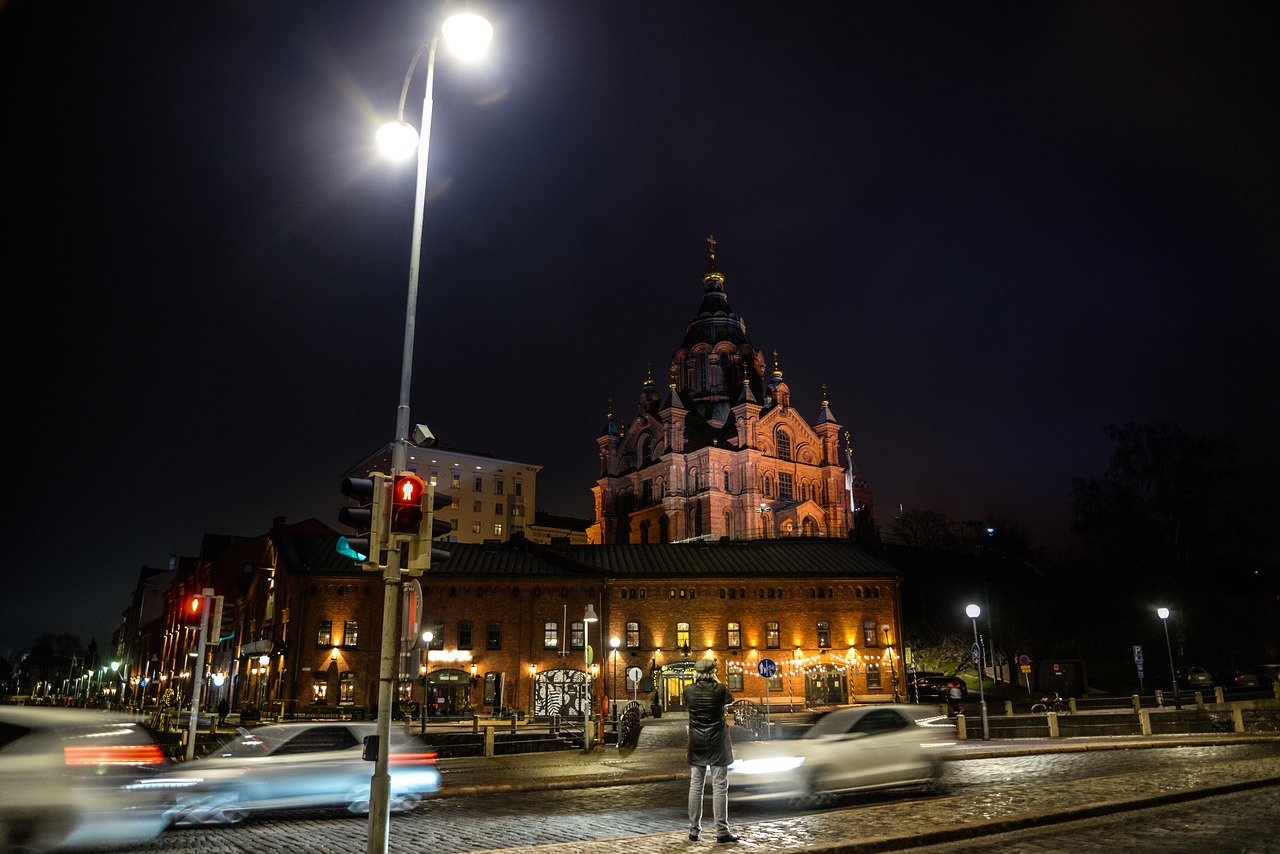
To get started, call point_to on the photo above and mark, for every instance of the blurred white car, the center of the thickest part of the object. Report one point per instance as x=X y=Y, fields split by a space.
x=848 y=750
x=287 y=766
x=71 y=777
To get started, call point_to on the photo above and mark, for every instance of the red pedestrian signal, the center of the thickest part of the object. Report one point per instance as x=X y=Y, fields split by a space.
x=406 y=504
x=192 y=613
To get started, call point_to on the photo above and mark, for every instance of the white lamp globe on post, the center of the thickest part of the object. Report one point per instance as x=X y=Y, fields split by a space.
x=1163 y=614
x=973 y=612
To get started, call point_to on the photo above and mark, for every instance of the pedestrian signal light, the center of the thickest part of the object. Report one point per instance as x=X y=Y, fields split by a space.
x=406 y=504
x=192 y=611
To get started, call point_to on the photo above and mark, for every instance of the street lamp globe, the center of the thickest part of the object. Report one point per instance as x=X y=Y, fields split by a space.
x=1162 y=613
x=973 y=611
x=615 y=642
x=397 y=140
x=467 y=34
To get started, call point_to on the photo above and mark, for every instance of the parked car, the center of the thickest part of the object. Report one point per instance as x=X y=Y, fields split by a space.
x=938 y=688
x=71 y=778
x=1198 y=678
x=285 y=766
x=853 y=749
x=1238 y=679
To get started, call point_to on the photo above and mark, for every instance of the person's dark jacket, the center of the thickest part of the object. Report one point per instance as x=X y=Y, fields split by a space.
x=709 y=742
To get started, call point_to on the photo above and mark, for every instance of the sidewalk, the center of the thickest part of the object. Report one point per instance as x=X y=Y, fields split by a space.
x=661 y=757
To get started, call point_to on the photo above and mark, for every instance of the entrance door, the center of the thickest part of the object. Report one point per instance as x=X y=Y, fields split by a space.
x=673 y=688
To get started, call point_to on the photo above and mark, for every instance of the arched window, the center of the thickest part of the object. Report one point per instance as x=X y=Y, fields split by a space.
x=784 y=445
x=646 y=449
x=726 y=480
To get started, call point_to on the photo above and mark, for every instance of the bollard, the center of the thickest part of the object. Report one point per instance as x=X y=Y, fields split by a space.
x=1237 y=719
x=1159 y=697
x=1144 y=721
x=1199 y=700
x=961 y=733
x=475 y=724
x=1137 y=702
x=1071 y=704
x=1217 y=695
x=1008 y=708
x=488 y=740
x=1053 y=724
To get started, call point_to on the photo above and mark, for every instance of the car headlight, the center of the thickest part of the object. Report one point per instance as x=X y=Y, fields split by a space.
x=767 y=765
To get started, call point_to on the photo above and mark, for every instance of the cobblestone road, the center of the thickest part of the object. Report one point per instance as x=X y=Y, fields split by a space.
x=511 y=820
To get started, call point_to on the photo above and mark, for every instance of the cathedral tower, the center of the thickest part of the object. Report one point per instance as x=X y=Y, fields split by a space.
x=721 y=452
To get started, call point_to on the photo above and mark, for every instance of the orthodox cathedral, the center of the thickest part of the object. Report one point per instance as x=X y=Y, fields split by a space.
x=722 y=452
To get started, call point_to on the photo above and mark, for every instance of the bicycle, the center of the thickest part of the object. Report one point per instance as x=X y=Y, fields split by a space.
x=1052 y=703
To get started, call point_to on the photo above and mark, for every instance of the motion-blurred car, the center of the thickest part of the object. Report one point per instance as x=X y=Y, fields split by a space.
x=287 y=766
x=1238 y=679
x=938 y=688
x=849 y=750
x=70 y=778
x=1198 y=677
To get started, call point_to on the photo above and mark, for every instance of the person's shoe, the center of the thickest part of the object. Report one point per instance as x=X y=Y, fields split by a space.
x=693 y=836
x=726 y=837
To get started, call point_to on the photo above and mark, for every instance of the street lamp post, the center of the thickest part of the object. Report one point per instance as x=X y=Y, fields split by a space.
x=615 y=642
x=468 y=35
x=1163 y=614
x=893 y=671
x=588 y=618
x=974 y=612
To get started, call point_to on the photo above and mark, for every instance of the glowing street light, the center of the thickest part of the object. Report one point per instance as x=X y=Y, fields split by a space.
x=973 y=611
x=1163 y=614
x=466 y=34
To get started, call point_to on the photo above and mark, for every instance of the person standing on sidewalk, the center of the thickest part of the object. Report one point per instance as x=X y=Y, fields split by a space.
x=709 y=747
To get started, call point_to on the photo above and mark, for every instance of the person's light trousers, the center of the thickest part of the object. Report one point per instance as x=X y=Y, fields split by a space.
x=719 y=796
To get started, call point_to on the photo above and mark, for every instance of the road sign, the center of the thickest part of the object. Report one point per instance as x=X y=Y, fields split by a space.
x=588 y=655
x=976 y=653
x=635 y=674
x=1137 y=655
x=767 y=668
x=1024 y=660
x=1026 y=668
x=1140 y=673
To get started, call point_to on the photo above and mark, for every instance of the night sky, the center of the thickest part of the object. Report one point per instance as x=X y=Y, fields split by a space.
x=990 y=230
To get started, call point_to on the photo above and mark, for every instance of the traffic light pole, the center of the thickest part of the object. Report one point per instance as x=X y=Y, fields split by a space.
x=380 y=784
x=197 y=675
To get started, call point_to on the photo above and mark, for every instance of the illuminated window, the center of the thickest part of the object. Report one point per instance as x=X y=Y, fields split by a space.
x=319 y=689
x=457 y=480
x=735 y=636
x=324 y=637
x=633 y=635
x=824 y=635
x=772 y=635
x=577 y=635
x=735 y=680
x=550 y=635
x=873 y=675
x=682 y=634
x=351 y=634
x=347 y=687
x=869 y=633
x=497 y=529
x=437 y=634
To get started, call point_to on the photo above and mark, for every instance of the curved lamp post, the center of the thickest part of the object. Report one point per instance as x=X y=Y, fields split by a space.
x=973 y=611
x=467 y=35
x=1163 y=614
x=615 y=642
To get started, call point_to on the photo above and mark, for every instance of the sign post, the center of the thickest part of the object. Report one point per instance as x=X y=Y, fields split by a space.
x=1137 y=660
x=767 y=668
x=635 y=674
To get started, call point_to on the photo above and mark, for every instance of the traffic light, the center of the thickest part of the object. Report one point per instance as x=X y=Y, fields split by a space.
x=421 y=551
x=192 y=613
x=368 y=518
x=406 y=504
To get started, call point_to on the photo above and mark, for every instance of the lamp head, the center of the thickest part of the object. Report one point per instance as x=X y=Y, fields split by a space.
x=467 y=34
x=973 y=611
x=397 y=140
x=590 y=615
x=1162 y=613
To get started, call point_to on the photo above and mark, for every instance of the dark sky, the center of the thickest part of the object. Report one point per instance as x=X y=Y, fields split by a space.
x=990 y=230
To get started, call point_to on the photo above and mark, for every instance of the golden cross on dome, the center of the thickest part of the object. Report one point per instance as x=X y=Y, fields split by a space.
x=711 y=241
